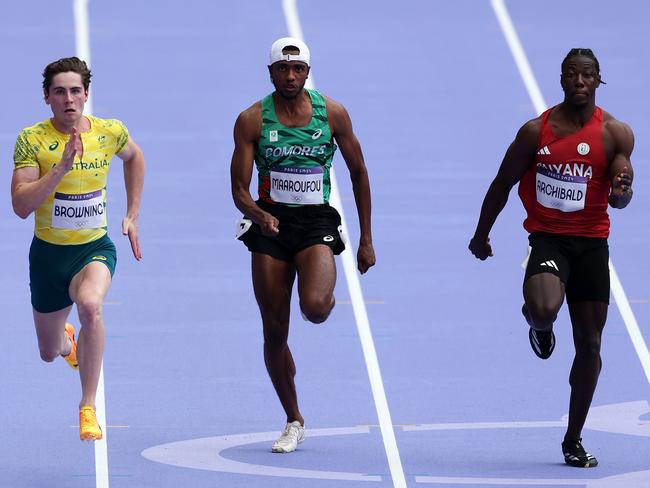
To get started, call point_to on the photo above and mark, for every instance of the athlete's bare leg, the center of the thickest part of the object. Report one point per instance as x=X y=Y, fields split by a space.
x=543 y=297
x=88 y=289
x=316 y=279
x=50 y=333
x=273 y=281
x=588 y=320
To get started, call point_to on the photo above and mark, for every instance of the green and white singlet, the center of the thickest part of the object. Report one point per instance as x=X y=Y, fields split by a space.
x=293 y=164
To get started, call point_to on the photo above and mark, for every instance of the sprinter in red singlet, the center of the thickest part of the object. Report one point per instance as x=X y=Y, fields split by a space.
x=570 y=162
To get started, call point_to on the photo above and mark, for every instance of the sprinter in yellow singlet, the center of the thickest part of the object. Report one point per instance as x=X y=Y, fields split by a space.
x=60 y=170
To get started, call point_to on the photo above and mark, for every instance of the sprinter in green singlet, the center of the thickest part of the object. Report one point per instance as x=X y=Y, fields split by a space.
x=291 y=229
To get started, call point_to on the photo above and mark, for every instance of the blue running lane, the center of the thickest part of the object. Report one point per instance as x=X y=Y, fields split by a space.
x=435 y=98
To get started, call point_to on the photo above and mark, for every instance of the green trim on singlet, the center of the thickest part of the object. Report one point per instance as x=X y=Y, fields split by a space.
x=297 y=147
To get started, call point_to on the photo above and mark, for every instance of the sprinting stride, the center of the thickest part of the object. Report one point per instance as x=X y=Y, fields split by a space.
x=60 y=169
x=291 y=230
x=570 y=163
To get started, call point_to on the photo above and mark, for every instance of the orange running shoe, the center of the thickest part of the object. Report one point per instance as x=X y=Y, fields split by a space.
x=89 y=429
x=71 y=358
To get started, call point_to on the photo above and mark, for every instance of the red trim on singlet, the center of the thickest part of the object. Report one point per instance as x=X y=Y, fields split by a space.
x=561 y=154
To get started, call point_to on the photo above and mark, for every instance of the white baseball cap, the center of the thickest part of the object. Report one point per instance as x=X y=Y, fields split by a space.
x=281 y=44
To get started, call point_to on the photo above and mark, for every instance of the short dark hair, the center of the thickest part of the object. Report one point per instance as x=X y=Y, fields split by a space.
x=65 y=65
x=581 y=51
x=290 y=48
x=587 y=53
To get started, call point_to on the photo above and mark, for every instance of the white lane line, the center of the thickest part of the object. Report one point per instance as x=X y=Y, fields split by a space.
x=630 y=321
x=82 y=39
x=540 y=105
x=356 y=294
x=501 y=481
x=519 y=54
x=537 y=424
x=101 y=446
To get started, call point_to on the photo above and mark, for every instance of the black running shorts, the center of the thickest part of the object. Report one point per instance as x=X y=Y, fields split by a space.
x=581 y=263
x=300 y=228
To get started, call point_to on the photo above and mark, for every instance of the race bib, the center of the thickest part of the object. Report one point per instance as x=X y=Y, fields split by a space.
x=302 y=186
x=82 y=211
x=562 y=192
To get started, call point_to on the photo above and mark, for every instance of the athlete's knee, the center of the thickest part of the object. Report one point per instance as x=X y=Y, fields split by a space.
x=275 y=336
x=90 y=310
x=317 y=308
x=48 y=355
x=588 y=345
x=542 y=314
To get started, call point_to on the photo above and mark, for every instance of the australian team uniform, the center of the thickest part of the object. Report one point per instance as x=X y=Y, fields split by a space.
x=293 y=166
x=70 y=228
x=565 y=194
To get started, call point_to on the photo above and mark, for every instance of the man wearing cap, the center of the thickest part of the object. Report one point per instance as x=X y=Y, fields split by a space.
x=291 y=229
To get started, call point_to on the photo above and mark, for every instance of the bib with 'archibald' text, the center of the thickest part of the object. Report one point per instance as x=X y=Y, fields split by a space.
x=564 y=193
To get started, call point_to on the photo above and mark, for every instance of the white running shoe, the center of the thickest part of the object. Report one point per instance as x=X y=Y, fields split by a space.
x=293 y=434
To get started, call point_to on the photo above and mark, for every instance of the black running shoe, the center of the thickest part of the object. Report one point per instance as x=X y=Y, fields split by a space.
x=542 y=341
x=575 y=455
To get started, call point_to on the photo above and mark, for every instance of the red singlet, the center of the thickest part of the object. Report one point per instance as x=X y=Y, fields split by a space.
x=566 y=190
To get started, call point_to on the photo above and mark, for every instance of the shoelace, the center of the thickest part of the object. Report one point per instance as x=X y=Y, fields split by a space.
x=88 y=416
x=542 y=336
x=578 y=450
x=291 y=432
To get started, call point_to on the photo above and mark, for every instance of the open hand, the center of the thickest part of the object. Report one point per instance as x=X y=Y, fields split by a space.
x=74 y=147
x=130 y=229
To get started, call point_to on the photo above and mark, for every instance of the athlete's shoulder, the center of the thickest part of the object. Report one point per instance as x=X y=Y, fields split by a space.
x=29 y=143
x=114 y=128
x=110 y=125
x=38 y=129
x=248 y=125
x=335 y=111
x=617 y=132
x=611 y=122
x=33 y=136
x=251 y=118
x=330 y=102
x=530 y=131
x=253 y=111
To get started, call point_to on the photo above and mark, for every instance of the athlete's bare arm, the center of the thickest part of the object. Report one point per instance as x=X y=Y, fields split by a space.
x=29 y=190
x=134 y=168
x=341 y=127
x=619 y=136
x=518 y=158
x=246 y=133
